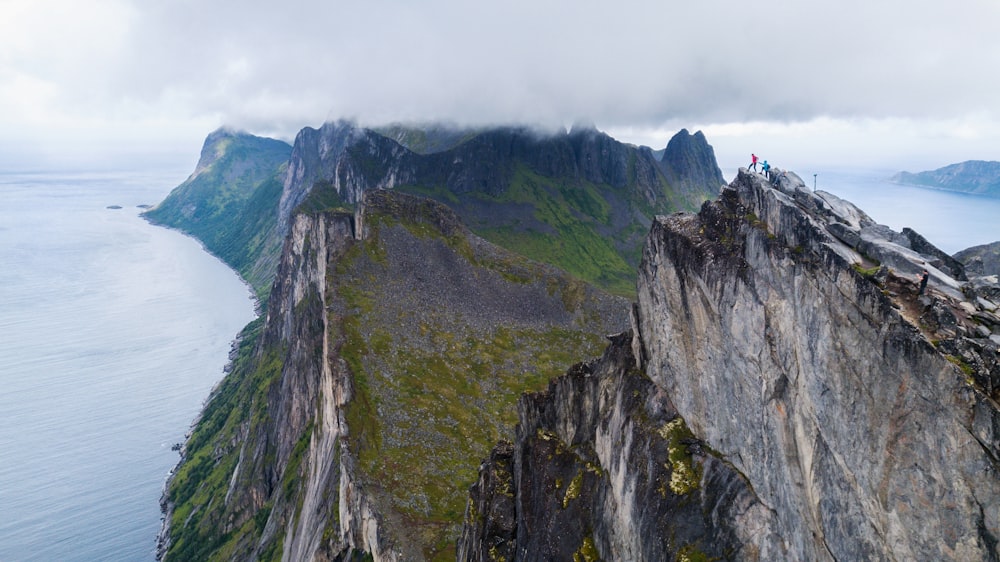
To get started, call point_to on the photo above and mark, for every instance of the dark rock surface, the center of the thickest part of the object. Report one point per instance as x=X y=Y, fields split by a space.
x=689 y=161
x=603 y=468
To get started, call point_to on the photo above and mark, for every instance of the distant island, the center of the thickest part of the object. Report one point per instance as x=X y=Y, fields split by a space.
x=979 y=177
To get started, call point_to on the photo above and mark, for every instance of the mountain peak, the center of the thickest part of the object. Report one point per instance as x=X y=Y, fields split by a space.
x=689 y=162
x=582 y=127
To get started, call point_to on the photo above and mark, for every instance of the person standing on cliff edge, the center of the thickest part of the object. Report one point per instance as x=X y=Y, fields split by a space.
x=923 y=282
x=753 y=162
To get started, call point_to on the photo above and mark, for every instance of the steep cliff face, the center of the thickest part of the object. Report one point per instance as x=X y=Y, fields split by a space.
x=863 y=439
x=347 y=158
x=603 y=467
x=394 y=347
x=689 y=162
x=785 y=397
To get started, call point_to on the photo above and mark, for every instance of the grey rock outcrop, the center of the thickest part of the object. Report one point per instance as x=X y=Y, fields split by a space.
x=865 y=441
x=831 y=412
x=981 y=260
x=350 y=158
x=603 y=468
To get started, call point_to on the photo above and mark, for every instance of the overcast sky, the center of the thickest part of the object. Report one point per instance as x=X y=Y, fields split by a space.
x=908 y=84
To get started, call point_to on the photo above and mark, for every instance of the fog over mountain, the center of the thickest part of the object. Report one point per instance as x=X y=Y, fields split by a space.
x=848 y=82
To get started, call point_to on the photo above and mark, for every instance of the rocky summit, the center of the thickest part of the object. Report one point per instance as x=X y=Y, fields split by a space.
x=786 y=392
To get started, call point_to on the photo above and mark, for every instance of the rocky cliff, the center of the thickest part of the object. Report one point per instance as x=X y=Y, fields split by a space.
x=395 y=342
x=393 y=350
x=603 y=468
x=981 y=260
x=689 y=162
x=787 y=395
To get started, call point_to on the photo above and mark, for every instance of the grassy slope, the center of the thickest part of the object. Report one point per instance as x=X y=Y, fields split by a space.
x=231 y=206
x=435 y=391
x=571 y=226
x=202 y=480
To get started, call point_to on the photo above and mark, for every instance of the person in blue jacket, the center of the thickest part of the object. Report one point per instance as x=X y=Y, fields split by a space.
x=767 y=169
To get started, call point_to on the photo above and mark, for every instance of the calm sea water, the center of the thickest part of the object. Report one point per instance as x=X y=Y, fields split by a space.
x=112 y=334
x=949 y=220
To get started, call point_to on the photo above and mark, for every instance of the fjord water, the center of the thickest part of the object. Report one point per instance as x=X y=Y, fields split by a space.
x=112 y=334
x=950 y=220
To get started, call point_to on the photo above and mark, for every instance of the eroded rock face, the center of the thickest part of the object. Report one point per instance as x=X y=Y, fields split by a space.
x=603 y=467
x=981 y=260
x=827 y=411
x=352 y=159
x=864 y=440
x=390 y=359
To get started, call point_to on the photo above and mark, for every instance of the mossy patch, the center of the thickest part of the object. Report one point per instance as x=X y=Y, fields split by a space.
x=685 y=471
x=587 y=551
x=691 y=553
x=573 y=490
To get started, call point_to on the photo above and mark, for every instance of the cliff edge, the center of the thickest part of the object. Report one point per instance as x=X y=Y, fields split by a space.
x=791 y=394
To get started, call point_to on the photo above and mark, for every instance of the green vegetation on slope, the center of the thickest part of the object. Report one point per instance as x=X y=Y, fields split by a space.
x=434 y=390
x=571 y=225
x=196 y=490
x=230 y=204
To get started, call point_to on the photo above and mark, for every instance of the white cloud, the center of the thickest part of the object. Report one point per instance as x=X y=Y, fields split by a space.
x=888 y=78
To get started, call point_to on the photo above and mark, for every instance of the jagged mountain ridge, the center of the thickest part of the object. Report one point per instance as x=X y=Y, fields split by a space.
x=274 y=445
x=861 y=418
x=580 y=200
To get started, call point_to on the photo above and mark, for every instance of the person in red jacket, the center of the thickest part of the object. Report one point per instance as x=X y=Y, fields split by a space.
x=753 y=162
